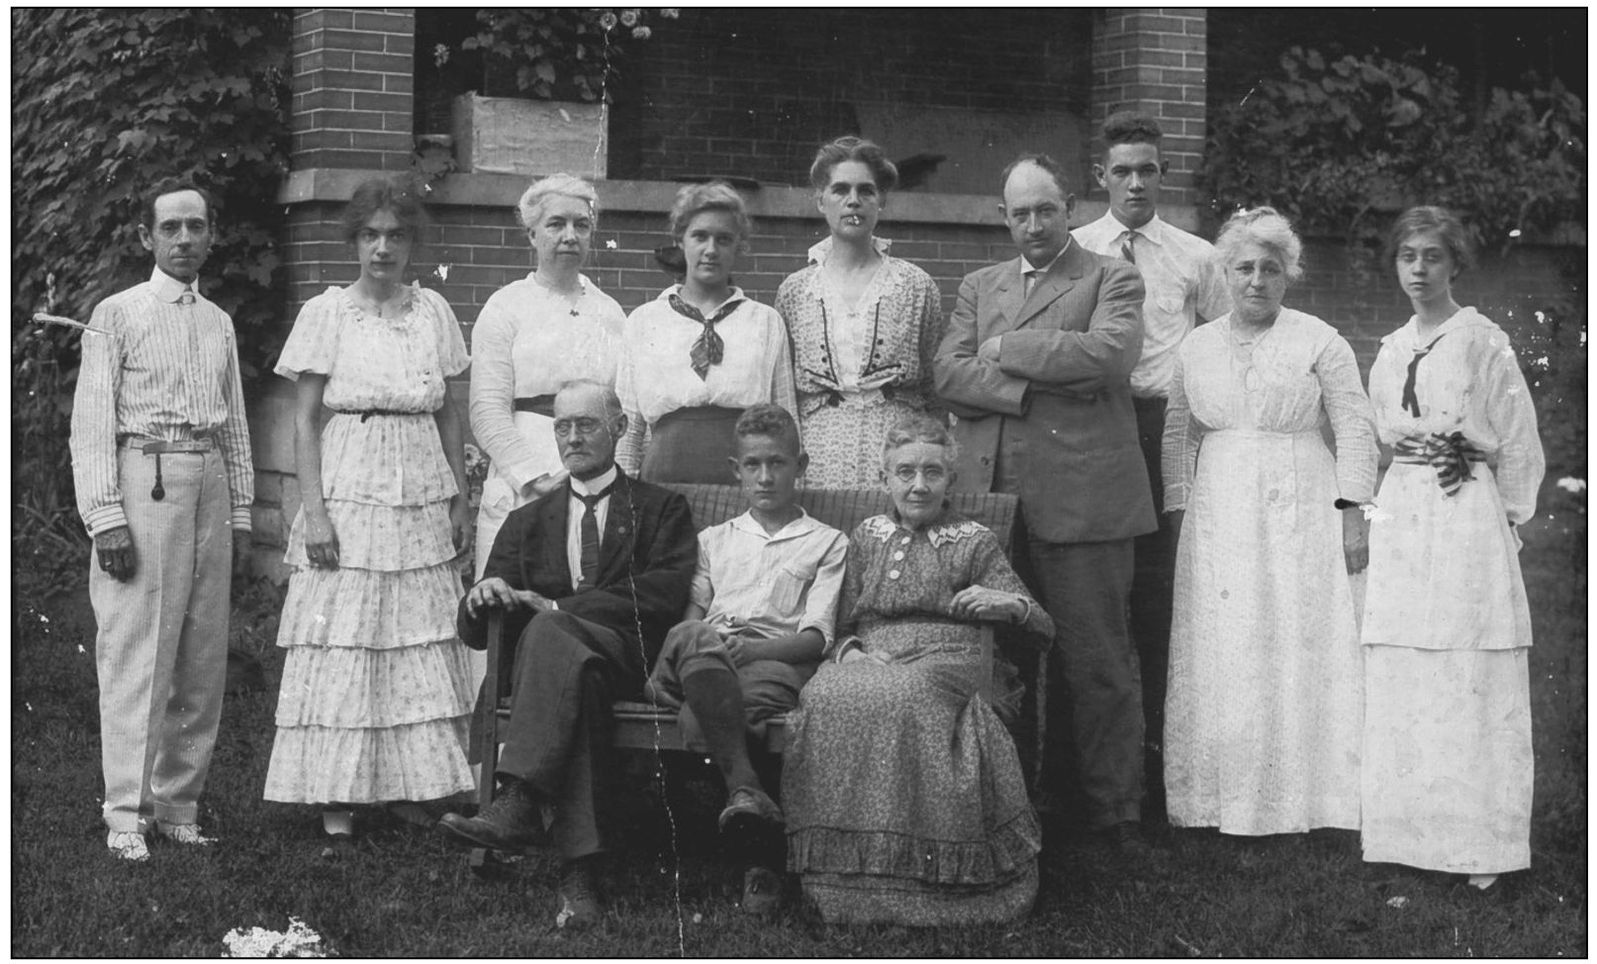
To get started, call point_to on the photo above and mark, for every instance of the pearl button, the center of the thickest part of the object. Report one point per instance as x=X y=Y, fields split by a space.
x=897 y=556
x=893 y=574
x=906 y=540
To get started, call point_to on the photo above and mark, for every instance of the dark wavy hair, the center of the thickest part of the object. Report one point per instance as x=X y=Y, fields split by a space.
x=1131 y=127
x=769 y=420
x=852 y=148
x=398 y=195
x=174 y=185
x=1429 y=217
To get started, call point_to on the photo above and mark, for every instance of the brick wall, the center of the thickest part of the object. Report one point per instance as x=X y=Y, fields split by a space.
x=753 y=92
x=1155 y=60
x=352 y=79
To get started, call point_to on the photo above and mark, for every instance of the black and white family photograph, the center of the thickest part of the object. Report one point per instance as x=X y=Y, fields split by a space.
x=819 y=482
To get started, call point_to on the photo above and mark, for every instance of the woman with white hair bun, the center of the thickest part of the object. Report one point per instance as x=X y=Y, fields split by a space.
x=534 y=335
x=1262 y=717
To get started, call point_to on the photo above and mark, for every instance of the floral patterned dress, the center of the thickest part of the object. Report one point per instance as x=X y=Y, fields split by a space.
x=859 y=367
x=1266 y=678
x=376 y=698
x=904 y=796
x=1448 y=766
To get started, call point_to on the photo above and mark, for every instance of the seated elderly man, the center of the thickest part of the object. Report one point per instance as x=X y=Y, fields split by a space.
x=590 y=576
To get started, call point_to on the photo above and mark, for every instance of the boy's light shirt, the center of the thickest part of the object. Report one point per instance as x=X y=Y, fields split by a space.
x=769 y=585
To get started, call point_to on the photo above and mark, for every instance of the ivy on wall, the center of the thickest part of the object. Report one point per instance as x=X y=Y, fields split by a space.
x=1340 y=145
x=104 y=103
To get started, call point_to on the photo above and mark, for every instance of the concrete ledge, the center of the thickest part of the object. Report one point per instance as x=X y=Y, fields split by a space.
x=655 y=197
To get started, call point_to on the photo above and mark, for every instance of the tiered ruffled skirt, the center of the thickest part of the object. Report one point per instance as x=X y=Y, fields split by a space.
x=376 y=698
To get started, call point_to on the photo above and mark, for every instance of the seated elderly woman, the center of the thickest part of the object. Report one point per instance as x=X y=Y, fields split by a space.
x=904 y=796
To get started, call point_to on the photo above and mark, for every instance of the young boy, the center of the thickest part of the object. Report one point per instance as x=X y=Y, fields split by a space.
x=763 y=607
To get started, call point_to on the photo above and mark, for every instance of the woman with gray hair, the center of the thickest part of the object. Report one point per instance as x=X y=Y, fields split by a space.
x=534 y=335
x=1262 y=714
x=904 y=795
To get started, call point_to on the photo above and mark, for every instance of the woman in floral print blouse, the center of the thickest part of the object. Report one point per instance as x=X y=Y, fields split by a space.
x=864 y=324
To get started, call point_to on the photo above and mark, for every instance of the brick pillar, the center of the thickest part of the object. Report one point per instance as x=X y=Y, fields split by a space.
x=1155 y=60
x=353 y=80
x=352 y=111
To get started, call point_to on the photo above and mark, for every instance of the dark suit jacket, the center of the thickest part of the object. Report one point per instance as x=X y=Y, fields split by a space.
x=647 y=555
x=1058 y=392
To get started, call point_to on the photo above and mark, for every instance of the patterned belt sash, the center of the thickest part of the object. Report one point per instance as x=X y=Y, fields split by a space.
x=1450 y=455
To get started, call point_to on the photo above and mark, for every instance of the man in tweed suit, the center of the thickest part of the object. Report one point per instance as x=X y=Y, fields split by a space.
x=1035 y=365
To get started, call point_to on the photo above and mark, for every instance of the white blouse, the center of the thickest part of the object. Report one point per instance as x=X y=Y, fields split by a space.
x=529 y=341
x=656 y=375
x=1469 y=382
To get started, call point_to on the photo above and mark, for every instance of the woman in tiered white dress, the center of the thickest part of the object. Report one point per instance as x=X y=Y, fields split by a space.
x=375 y=696
x=1262 y=717
x=1447 y=634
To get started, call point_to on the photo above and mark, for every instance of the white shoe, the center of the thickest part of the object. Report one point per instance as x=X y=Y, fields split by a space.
x=1482 y=881
x=183 y=833
x=127 y=845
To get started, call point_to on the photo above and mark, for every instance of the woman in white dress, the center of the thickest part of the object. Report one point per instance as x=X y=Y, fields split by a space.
x=1447 y=634
x=1264 y=705
x=701 y=352
x=375 y=699
x=534 y=335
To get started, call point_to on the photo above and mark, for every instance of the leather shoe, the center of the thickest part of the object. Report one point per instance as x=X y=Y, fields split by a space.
x=183 y=833
x=1126 y=838
x=512 y=822
x=580 y=904
x=127 y=845
x=749 y=807
x=762 y=892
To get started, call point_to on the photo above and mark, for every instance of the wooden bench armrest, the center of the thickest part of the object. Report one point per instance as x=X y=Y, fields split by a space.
x=488 y=718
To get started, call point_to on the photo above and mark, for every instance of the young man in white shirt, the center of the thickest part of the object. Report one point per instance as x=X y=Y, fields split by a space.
x=1185 y=286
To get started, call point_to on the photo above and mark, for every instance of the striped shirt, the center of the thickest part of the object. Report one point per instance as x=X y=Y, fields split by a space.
x=164 y=370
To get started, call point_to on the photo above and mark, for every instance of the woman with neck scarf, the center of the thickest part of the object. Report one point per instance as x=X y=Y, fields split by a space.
x=864 y=324
x=1447 y=633
x=701 y=352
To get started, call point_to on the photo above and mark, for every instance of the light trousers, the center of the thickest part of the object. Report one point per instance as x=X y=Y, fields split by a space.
x=161 y=646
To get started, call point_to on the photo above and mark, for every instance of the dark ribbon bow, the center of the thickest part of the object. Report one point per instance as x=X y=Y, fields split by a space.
x=1449 y=454
x=708 y=348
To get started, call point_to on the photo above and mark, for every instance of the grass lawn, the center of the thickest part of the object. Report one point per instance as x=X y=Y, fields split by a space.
x=405 y=892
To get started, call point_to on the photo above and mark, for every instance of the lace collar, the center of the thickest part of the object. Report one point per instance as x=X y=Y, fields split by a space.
x=950 y=529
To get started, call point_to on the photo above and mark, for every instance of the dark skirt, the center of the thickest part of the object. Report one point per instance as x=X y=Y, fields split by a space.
x=692 y=445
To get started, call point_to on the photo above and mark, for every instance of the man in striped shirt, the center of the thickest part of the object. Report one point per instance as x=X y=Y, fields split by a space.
x=161 y=461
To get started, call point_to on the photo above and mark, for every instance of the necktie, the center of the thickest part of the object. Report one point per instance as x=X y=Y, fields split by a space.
x=1411 y=401
x=590 y=536
x=707 y=350
x=187 y=297
x=1126 y=247
x=1030 y=281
